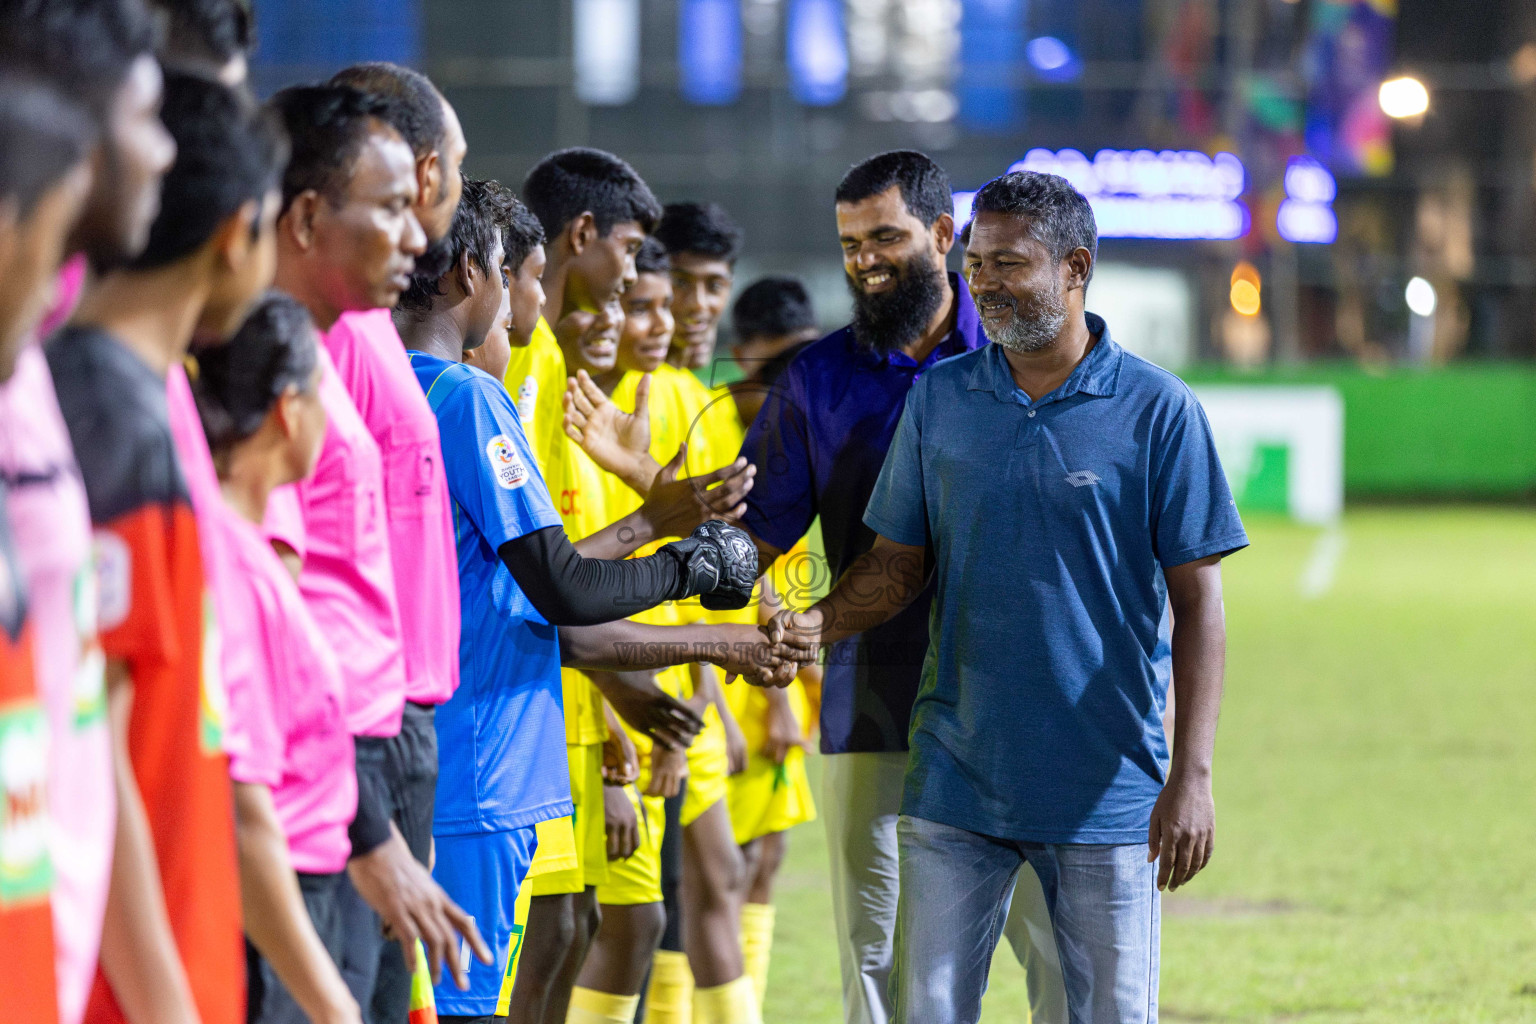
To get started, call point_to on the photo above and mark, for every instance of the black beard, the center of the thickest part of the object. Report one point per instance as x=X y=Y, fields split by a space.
x=893 y=320
x=437 y=260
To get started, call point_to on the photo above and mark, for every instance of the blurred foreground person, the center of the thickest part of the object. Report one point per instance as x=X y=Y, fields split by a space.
x=520 y=577
x=209 y=255
x=1023 y=751
x=44 y=177
x=295 y=782
x=99 y=53
x=347 y=241
x=211 y=38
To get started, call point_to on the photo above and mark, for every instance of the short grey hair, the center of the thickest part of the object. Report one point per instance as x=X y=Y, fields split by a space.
x=1060 y=217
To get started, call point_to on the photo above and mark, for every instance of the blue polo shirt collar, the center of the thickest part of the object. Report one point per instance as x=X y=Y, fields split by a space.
x=1098 y=373
x=965 y=336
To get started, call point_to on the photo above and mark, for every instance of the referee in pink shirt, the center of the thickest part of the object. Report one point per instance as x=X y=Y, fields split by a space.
x=371 y=362
x=348 y=241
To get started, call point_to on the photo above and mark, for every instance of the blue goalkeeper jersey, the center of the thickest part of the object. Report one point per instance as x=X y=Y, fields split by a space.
x=501 y=738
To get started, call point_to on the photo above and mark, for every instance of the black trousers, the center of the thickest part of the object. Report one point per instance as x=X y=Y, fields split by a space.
x=267 y=1000
x=401 y=773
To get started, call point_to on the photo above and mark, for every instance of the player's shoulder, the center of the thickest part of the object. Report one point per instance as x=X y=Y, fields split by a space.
x=119 y=424
x=451 y=383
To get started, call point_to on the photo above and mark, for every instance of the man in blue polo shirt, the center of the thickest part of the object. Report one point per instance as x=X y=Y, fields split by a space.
x=818 y=445
x=1067 y=499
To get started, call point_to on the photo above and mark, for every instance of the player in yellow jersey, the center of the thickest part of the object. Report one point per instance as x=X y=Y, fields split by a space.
x=595 y=210
x=678 y=408
x=633 y=917
x=672 y=506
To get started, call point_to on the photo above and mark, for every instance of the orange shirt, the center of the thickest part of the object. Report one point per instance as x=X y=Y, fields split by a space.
x=30 y=992
x=154 y=609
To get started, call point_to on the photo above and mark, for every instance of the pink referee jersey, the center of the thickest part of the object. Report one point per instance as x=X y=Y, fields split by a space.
x=229 y=641
x=372 y=363
x=337 y=522
x=51 y=526
x=297 y=739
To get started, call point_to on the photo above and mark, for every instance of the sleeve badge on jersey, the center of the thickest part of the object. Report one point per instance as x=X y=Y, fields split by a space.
x=114 y=579
x=506 y=464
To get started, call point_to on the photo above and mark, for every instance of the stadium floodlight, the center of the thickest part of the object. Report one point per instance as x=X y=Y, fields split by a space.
x=1420 y=296
x=1403 y=97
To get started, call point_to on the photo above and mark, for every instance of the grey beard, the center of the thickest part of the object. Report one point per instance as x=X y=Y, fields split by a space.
x=1033 y=332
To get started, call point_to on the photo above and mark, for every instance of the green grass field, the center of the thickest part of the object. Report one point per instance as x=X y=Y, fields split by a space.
x=1375 y=789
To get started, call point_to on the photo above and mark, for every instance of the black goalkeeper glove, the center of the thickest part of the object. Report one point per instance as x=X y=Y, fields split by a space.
x=719 y=564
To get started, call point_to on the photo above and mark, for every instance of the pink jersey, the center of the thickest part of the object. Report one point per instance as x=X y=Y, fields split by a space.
x=372 y=363
x=336 y=521
x=228 y=641
x=298 y=743
x=51 y=524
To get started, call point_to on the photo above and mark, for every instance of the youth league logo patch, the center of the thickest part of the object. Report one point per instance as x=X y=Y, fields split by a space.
x=506 y=465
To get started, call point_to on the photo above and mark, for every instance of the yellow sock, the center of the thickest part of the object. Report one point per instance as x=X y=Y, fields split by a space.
x=735 y=1002
x=670 y=999
x=589 y=1006
x=757 y=944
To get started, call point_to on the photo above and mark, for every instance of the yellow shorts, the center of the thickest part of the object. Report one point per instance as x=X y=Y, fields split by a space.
x=768 y=797
x=557 y=848
x=708 y=768
x=515 y=943
x=638 y=879
x=587 y=824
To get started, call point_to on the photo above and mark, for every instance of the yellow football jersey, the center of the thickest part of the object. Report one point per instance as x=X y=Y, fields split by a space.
x=536 y=381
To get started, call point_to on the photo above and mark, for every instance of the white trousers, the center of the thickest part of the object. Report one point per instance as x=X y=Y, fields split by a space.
x=860 y=801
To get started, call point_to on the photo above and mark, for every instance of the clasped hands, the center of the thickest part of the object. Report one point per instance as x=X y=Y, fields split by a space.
x=789 y=641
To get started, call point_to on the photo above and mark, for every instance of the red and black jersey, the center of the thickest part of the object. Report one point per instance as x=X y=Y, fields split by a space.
x=154 y=611
x=26 y=869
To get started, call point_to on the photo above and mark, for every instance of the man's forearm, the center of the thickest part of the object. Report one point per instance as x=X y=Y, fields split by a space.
x=1199 y=664
x=626 y=646
x=276 y=920
x=878 y=585
x=619 y=539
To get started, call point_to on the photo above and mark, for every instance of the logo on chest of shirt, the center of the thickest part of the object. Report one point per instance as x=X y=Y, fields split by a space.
x=527 y=398
x=1083 y=478
x=506 y=465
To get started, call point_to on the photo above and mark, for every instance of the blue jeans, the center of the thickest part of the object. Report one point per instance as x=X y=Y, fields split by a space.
x=956 y=886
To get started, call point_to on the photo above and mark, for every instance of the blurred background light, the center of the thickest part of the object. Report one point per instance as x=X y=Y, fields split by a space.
x=1172 y=194
x=1306 y=214
x=962 y=201
x=1403 y=97
x=1309 y=181
x=1244 y=293
x=1306 y=222
x=1420 y=296
x=1052 y=59
x=991 y=37
x=606 y=41
x=816 y=51
x=709 y=51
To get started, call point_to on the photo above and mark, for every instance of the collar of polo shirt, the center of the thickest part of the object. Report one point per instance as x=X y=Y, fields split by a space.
x=1097 y=374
